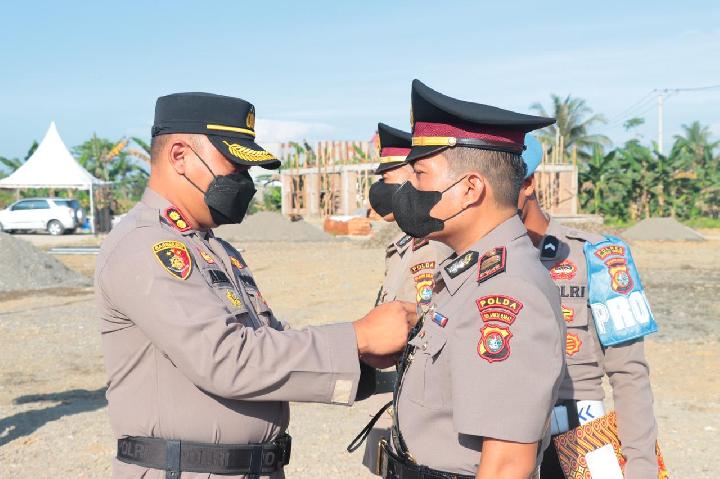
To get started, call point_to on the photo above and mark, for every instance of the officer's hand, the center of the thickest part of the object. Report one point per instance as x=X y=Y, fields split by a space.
x=384 y=330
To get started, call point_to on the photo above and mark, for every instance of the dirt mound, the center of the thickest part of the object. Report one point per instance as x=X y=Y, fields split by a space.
x=23 y=267
x=383 y=234
x=661 y=229
x=269 y=226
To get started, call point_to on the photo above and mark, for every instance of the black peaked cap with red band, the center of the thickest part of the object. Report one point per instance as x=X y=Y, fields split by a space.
x=228 y=122
x=440 y=122
x=394 y=147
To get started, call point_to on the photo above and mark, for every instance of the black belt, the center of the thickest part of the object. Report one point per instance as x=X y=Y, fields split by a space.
x=175 y=456
x=391 y=466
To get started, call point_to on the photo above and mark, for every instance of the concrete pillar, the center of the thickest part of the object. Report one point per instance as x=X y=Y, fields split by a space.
x=348 y=192
x=312 y=194
x=286 y=193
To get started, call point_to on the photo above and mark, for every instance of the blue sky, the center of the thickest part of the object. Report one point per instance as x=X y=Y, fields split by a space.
x=332 y=70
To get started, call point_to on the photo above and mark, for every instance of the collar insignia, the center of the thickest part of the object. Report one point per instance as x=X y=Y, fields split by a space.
x=176 y=219
x=403 y=241
x=462 y=264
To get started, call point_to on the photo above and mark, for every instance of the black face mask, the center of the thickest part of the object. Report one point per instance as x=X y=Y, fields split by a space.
x=227 y=196
x=412 y=210
x=381 y=195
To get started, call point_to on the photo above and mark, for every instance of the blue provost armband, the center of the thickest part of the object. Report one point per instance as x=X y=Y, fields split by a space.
x=617 y=298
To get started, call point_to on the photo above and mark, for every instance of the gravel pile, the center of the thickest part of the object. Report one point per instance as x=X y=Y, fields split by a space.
x=269 y=226
x=23 y=267
x=383 y=234
x=661 y=229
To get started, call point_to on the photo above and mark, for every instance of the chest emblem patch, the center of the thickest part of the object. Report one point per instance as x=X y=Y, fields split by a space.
x=174 y=258
x=424 y=284
x=176 y=219
x=563 y=270
x=494 y=344
x=568 y=313
x=236 y=262
x=462 y=264
x=492 y=263
x=206 y=256
x=572 y=344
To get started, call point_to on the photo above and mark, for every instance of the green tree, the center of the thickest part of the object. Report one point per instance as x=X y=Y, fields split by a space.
x=574 y=120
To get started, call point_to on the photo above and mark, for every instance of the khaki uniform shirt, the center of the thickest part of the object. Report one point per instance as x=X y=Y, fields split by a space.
x=588 y=361
x=489 y=357
x=192 y=350
x=410 y=266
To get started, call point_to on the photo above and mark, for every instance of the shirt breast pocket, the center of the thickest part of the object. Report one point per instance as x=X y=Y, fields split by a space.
x=433 y=374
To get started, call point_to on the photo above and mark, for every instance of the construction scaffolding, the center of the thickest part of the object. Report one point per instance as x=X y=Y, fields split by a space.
x=333 y=178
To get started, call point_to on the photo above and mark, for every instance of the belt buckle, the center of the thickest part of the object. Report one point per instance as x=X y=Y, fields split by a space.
x=381 y=463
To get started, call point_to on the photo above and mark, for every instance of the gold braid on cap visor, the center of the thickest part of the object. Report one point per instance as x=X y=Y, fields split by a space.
x=234 y=129
x=248 y=154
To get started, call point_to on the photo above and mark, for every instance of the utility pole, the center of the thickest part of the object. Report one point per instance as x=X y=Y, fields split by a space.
x=660 y=121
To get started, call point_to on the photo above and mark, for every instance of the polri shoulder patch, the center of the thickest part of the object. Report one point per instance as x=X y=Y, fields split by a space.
x=176 y=219
x=174 y=257
x=419 y=243
x=462 y=263
x=492 y=263
x=549 y=247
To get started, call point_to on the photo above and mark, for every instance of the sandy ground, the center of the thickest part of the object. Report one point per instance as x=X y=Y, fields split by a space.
x=53 y=412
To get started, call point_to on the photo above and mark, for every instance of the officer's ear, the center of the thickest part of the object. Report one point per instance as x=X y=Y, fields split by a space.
x=527 y=190
x=177 y=154
x=474 y=187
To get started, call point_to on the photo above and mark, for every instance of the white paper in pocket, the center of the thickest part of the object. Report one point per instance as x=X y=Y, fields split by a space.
x=603 y=463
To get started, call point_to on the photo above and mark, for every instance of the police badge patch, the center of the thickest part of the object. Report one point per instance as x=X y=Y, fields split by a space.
x=174 y=257
x=494 y=344
x=424 y=283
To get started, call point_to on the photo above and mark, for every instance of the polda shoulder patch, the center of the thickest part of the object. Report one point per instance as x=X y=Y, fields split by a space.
x=492 y=263
x=462 y=263
x=175 y=218
x=174 y=257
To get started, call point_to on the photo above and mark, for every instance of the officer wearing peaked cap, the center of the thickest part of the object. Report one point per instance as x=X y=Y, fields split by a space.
x=581 y=394
x=200 y=371
x=410 y=265
x=480 y=374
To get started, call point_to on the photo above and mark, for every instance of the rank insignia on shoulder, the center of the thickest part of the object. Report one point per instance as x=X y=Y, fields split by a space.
x=572 y=344
x=549 y=247
x=439 y=319
x=563 y=270
x=174 y=258
x=497 y=307
x=236 y=262
x=176 y=219
x=419 y=243
x=421 y=266
x=206 y=256
x=403 y=241
x=462 y=263
x=492 y=263
x=494 y=344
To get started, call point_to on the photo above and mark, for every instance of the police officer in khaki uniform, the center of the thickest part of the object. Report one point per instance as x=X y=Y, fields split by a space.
x=581 y=394
x=410 y=265
x=200 y=370
x=480 y=374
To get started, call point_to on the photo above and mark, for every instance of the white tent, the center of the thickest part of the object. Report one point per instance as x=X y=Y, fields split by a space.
x=52 y=166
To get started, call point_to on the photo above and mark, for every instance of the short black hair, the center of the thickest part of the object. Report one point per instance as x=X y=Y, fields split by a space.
x=157 y=143
x=504 y=171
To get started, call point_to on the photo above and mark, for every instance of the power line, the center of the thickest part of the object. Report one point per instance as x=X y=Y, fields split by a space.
x=698 y=88
x=648 y=96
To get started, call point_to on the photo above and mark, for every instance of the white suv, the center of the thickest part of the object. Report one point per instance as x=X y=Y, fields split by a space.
x=55 y=215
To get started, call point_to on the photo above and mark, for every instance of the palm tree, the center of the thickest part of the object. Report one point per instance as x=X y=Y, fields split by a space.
x=574 y=119
x=12 y=164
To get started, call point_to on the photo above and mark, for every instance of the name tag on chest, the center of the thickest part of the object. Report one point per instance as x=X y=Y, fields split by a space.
x=617 y=299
